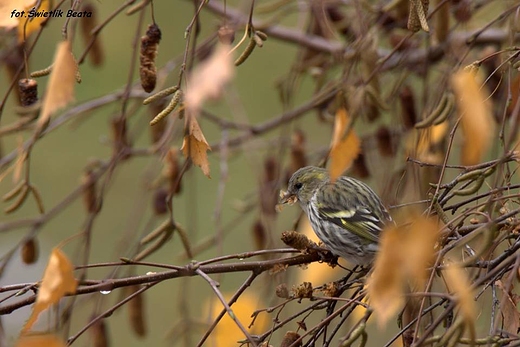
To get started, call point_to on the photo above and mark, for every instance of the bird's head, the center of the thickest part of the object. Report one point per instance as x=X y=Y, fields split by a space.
x=303 y=185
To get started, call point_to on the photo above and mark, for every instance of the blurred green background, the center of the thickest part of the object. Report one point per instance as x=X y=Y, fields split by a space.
x=59 y=159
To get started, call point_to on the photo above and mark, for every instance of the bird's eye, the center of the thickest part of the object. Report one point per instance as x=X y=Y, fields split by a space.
x=298 y=185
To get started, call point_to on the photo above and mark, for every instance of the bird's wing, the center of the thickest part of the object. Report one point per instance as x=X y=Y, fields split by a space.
x=351 y=212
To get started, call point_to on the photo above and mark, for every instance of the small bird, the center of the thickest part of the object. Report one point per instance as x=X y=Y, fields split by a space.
x=346 y=215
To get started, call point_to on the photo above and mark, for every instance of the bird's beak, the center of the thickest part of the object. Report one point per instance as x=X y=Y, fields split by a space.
x=286 y=198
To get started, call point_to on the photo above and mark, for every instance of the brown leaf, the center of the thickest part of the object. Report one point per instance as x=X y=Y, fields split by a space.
x=7 y=19
x=475 y=112
x=208 y=80
x=458 y=283
x=418 y=244
x=60 y=90
x=404 y=256
x=195 y=145
x=344 y=147
x=509 y=310
x=386 y=285
x=38 y=340
x=58 y=280
x=29 y=25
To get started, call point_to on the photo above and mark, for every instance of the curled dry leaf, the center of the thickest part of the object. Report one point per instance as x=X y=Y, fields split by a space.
x=38 y=340
x=418 y=246
x=195 y=145
x=60 y=90
x=345 y=147
x=386 y=285
x=458 y=283
x=405 y=255
x=58 y=280
x=475 y=113
x=26 y=24
x=208 y=80
x=6 y=6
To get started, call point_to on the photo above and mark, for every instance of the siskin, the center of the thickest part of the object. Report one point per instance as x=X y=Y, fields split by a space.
x=346 y=215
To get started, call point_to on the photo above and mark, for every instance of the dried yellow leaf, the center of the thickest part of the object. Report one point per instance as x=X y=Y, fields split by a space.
x=38 y=340
x=28 y=24
x=418 y=243
x=7 y=20
x=58 y=280
x=60 y=90
x=345 y=147
x=387 y=283
x=208 y=79
x=195 y=145
x=458 y=283
x=405 y=255
x=475 y=113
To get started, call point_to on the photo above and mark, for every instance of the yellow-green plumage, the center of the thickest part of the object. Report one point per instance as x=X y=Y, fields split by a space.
x=346 y=215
